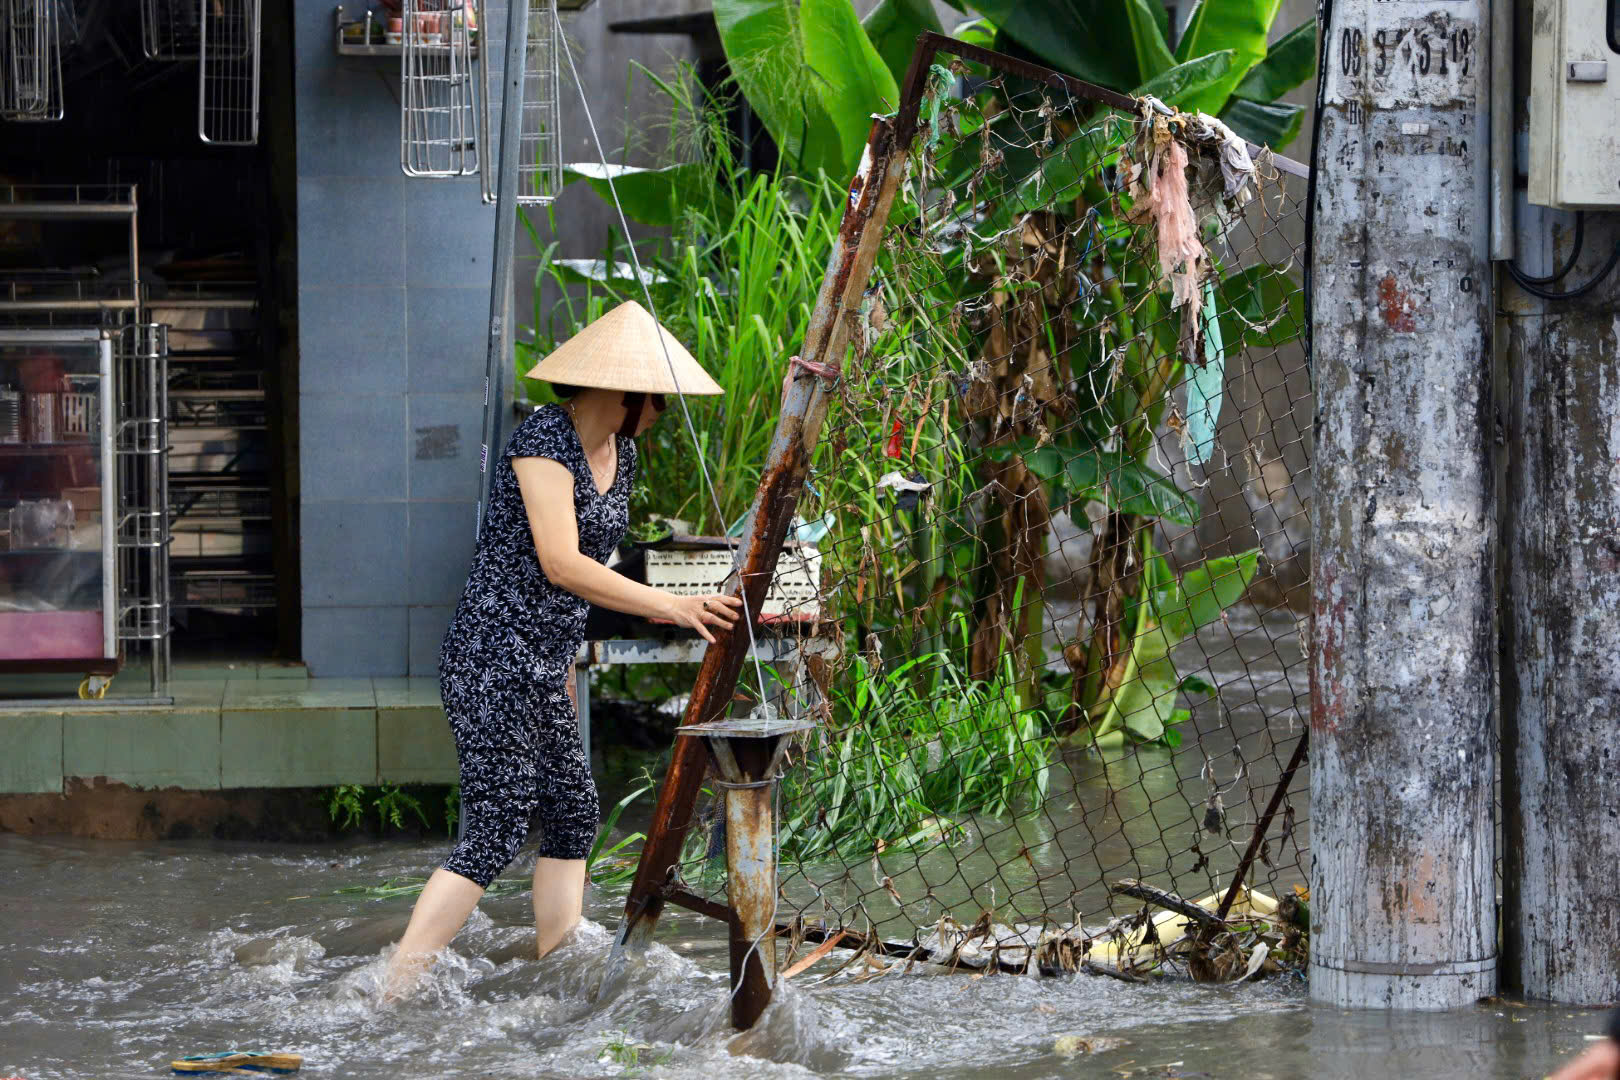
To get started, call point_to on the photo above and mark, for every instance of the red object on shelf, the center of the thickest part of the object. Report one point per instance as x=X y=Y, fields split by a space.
x=50 y=635
x=893 y=449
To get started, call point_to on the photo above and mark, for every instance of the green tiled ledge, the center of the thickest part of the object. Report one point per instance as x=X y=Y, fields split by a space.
x=242 y=730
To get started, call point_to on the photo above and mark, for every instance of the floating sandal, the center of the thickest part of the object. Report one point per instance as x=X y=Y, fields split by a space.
x=239 y=1061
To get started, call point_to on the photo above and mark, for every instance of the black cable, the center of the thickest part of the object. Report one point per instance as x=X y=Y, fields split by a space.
x=1324 y=16
x=1528 y=284
x=1574 y=253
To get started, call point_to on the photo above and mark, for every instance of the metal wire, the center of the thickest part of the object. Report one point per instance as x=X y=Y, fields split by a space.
x=228 y=72
x=680 y=398
x=1061 y=503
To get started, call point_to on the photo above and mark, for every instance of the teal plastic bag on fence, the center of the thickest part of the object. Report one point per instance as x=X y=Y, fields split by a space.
x=1205 y=385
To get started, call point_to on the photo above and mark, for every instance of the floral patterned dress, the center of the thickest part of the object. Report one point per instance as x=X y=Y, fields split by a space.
x=508 y=655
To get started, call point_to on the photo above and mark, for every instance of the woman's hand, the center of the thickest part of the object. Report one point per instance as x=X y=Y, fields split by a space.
x=701 y=612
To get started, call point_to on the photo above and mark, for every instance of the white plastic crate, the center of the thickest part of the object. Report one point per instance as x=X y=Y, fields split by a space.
x=794 y=591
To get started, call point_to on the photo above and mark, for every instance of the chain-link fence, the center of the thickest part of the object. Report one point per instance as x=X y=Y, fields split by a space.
x=1060 y=507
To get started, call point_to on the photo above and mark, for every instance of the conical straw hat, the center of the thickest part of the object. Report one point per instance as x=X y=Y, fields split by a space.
x=621 y=351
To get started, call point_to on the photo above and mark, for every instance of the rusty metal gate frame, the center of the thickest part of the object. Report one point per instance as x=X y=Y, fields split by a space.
x=871 y=196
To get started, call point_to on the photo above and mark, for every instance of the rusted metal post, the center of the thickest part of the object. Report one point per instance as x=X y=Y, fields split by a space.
x=747 y=753
x=1404 y=531
x=872 y=191
x=1561 y=576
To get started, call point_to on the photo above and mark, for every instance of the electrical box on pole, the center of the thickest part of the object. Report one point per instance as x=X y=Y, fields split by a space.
x=1574 y=103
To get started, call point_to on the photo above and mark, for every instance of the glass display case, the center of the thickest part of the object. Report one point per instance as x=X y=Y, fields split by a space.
x=58 y=580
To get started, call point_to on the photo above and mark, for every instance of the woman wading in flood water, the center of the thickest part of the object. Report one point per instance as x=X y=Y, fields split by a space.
x=558 y=507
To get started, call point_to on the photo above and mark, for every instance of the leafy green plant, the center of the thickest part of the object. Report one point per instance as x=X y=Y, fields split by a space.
x=620 y=1049
x=347 y=801
x=1170 y=611
x=1223 y=63
x=350 y=805
x=392 y=804
x=918 y=748
x=612 y=864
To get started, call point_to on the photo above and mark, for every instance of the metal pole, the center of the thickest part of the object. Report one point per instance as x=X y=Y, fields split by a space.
x=750 y=876
x=1404 y=513
x=747 y=754
x=1561 y=648
x=501 y=264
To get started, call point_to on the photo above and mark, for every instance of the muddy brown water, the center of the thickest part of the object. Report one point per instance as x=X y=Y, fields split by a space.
x=117 y=957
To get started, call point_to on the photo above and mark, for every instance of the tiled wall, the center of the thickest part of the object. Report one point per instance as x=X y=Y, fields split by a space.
x=393 y=296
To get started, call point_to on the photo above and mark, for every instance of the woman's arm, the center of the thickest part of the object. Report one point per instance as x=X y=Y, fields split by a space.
x=548 y=499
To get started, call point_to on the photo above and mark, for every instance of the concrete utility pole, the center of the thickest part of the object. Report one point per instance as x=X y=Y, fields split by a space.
x=1561 y=625
x=1404 y=529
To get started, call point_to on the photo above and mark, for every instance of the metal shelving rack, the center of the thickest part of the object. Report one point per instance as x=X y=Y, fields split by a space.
x=141 y=449
x=219 y=490
x=135 y=436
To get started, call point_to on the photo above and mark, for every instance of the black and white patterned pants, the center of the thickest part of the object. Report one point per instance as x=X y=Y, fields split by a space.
x=522 y=763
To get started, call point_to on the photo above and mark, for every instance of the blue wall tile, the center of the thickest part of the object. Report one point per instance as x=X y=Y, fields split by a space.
x=450 y=235
x=449 y=338
x=352 y=446
x=427 y=634
x=354 y=554
x=356 y=641
x=350 y=125
x=351 y=230
x=444 y=432
x=351 y=339
x=441 y=550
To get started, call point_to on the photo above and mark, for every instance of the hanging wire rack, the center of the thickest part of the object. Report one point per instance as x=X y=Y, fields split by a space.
x=171 y=29
x=228 y=72
x=31 y=79
x=441 y=126
x=540 y=146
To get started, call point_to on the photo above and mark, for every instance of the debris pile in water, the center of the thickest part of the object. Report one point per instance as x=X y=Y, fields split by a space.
x=1260 y=936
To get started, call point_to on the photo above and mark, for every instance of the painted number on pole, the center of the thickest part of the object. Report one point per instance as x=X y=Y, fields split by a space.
x=1425 y=60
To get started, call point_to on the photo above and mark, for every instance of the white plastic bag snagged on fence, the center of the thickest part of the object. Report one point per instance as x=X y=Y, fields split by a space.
x=1237 y=168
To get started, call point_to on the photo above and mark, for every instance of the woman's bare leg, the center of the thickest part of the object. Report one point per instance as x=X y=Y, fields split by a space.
x=559 y=898
x=440 y=912
x=559 y=884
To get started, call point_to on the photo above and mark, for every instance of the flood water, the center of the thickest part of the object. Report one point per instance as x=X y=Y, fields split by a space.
x=119 y=957
x=116 y=958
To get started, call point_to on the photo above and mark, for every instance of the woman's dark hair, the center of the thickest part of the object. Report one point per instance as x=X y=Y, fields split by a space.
x=565 y=390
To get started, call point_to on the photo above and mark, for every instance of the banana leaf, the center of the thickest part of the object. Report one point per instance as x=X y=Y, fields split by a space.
x=1085 y=38
x=1289 y=62
x=1264 y=125
x=893 y=26
x=1261 y=306
x=1184 y=82
x=1110 y=477
x=650 y=196
x=1241 y=26
x=1145 y=702
x=811 y=74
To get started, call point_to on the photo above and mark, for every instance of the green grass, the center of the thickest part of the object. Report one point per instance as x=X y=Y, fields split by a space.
x=916 y=748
